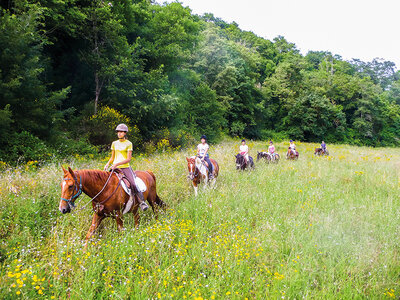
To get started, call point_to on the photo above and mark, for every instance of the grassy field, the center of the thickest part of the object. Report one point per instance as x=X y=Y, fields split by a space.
x=319 y=227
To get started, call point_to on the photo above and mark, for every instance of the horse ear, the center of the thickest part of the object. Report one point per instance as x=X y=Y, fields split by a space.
x=187 y=158
x=65 y=171
x=71 y=171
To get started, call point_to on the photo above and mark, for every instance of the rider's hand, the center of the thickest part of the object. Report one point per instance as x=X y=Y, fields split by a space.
x=106 y=167
x=113 y=167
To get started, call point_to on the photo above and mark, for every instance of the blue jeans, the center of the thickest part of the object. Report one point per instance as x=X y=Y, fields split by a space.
x=208 y=161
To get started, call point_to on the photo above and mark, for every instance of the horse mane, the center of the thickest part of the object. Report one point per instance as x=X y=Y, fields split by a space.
x=95 y=175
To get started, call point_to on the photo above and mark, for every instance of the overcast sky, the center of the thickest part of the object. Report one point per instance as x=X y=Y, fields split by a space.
x=362 y=29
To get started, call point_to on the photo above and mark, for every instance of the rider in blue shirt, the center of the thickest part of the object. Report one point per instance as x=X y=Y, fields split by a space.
x=323 y=146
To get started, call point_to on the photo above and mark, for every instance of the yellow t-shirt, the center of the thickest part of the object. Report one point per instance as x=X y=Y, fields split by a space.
x=121 y=152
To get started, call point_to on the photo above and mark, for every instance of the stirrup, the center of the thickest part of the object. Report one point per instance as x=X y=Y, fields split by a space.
x=144 y=206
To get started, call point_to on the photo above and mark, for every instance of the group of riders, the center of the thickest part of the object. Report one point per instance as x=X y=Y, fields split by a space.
x=121 y=155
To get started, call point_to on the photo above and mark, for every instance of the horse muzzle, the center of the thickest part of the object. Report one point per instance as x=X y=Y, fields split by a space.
x=65 y=210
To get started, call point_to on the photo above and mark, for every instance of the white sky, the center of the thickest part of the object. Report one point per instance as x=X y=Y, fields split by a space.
x=362 y=29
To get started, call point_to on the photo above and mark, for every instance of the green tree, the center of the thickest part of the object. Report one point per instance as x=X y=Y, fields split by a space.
x=314 y=118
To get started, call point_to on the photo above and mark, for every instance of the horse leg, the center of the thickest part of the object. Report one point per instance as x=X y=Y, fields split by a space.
x=195 y=189
x=137 y=217
x=213 y=182
x=205 y=182
x=120 y=223
x=96 y=220
x=152 y=200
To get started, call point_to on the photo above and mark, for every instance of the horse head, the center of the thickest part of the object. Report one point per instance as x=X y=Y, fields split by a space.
x=239 y=161
x=71 y=188
x=191 y=167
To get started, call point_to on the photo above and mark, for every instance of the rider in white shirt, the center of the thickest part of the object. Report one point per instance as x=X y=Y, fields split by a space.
x=292 y=147
x=202 y=152
x=244 y=150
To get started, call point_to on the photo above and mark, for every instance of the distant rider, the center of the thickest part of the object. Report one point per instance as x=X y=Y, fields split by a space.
x=323 y=146
x=202 y=152
x=121 y=155
x=271 y=149
x=292 y=147
x=244 y=150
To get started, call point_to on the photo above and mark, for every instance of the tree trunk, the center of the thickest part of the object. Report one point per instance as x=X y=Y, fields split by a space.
x=97 y=92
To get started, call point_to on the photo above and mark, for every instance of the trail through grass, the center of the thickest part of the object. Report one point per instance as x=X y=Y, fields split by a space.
x=319 y=227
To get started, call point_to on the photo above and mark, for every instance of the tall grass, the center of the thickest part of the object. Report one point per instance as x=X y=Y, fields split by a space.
x=319 y=227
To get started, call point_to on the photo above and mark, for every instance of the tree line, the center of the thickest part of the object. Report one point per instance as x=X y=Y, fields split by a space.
x=70 y=70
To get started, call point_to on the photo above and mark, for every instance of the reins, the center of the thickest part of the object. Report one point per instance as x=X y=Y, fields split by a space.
x=69 y=201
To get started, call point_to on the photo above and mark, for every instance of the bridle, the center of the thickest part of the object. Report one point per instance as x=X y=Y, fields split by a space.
x=193 y=175
x=242 y=161
x=78 y=191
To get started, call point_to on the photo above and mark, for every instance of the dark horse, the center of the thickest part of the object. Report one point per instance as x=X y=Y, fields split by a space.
x=241 y=163
x=108 y=197
x=199 y=172
x=291 y=155
x=320 y=151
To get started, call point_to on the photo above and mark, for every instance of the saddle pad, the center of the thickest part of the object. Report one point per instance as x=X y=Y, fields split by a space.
x=124 y=186
x=141 y=186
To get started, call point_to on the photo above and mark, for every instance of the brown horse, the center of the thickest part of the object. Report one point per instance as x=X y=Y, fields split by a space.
x=108 y=197
x=199 y=172
x=320 y=151
x=291 y=155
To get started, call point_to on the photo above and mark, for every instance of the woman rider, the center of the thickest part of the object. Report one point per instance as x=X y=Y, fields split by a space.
x=121 y=155
x=244 y=150
x=271 y=149
x=323 y=146
x=202 y=152
x=292 y=147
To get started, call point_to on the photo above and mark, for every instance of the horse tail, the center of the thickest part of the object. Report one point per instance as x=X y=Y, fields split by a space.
x=160 y=202
x=152 y=174
x=158 y=199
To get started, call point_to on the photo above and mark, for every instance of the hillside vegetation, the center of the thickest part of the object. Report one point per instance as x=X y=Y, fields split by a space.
x=72 y=70
x=319 y=227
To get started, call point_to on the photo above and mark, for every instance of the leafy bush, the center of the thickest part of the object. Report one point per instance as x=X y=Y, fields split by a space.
x=65 y=146
x=23 y=147
x=166 y=140
x=270 y=135
x=101 y=127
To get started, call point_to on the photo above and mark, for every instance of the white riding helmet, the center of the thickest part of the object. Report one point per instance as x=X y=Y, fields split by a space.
x=122 y=127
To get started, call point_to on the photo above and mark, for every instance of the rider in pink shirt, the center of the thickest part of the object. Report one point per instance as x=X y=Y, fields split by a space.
x=271 y=148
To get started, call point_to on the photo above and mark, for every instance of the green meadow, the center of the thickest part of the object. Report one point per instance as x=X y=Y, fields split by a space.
x=319 y=227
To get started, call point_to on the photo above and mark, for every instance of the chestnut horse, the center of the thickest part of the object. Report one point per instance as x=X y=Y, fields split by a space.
x=198 y=172
x=108 y=197
x=320 y=151
x=291 y=155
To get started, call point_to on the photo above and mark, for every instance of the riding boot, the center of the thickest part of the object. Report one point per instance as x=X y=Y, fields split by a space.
x=142 y=203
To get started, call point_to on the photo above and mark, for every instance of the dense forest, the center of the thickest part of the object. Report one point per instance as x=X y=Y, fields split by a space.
x=70 y=70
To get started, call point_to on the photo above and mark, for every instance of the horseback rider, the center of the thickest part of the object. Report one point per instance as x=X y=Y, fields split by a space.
x=323 y=146
x=121 y=155
x=244 y=150
x=292 y=147
x=271 y=149
x=202 y=152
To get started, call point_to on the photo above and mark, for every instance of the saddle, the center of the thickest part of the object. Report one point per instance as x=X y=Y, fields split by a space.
x=127 y=187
